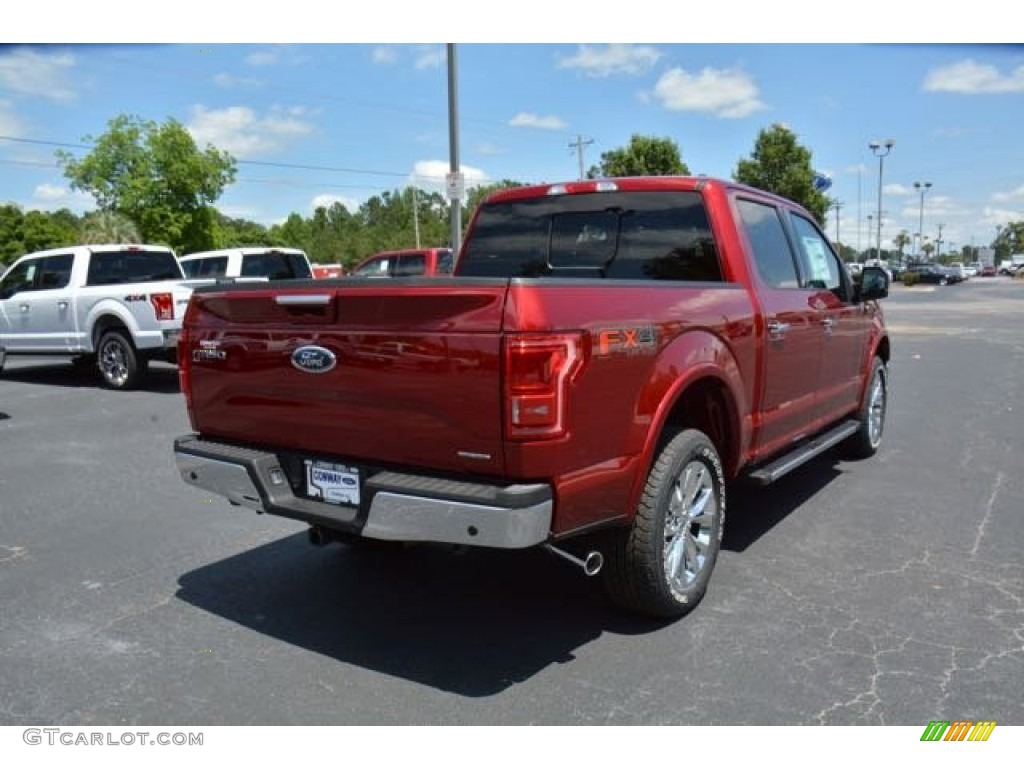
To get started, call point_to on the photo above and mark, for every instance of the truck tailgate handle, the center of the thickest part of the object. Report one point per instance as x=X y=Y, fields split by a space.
x=304 y=300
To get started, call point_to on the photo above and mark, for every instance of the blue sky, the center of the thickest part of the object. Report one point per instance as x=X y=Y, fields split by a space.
x=369 y=117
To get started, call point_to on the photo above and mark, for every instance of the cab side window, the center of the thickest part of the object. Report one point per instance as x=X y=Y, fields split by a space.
x=818 y=262
x=21 y=277
x=55 y=272
x=772 y=254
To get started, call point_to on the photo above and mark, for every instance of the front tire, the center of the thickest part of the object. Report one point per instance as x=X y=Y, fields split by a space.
x=865 y=441
x=661 y=566
x=120 y=364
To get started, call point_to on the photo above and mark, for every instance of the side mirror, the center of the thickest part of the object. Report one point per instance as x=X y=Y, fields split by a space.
x=874 y=284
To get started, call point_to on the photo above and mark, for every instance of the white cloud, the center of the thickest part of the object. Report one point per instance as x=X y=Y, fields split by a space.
x=430 y=174
x=225 y=80
x=898 y=190
x=10 y=124
x=50 y=197
x=859 y=168
x=49 y=192
x=1004 y=197
x=429 y=58
x=261 y=59
x=614 y=59
x=240 y=131
x=384 y=54
x=722 y=92
x=1001 y=216
x=969 y=76
x=31 y=73
x=326 y=201
x=530 y=120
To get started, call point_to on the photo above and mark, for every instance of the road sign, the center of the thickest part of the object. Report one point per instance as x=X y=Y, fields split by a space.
x=822 y=182
x=455 y=185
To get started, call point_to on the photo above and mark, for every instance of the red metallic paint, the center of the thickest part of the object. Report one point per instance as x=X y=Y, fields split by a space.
x=419 y=377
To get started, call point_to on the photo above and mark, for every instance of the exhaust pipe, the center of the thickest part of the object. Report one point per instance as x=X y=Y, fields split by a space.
x=319 y=537
x=591 y=563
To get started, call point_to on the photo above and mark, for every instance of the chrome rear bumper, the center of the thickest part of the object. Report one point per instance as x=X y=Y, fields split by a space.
x=395 y=506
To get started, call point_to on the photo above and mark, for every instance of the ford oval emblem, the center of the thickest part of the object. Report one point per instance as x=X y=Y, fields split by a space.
x=313 y=359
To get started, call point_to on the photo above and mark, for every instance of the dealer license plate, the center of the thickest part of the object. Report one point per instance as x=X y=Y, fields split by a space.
x=333 y=483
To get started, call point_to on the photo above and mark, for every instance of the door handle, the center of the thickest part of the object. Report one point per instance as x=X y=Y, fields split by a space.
x=777 y=330
x=62 y=305
x=23 y=308
x=828 y=324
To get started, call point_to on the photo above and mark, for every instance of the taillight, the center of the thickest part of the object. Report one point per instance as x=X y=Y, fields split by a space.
x=185 y=369
x=538 y=369
x=163 y=305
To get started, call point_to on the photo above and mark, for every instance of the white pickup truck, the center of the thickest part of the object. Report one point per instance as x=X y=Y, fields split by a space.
x=115 y=307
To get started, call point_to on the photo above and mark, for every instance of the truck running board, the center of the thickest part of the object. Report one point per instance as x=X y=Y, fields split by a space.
x=786 y=463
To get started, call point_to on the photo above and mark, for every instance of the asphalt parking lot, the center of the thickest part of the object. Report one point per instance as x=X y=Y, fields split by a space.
x=883 y=592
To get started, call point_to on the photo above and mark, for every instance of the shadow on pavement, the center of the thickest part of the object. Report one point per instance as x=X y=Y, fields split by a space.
x=753 y=511
x=161 y=379
x=472 y=623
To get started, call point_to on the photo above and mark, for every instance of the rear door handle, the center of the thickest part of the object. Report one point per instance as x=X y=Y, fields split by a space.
x=828 y=324
x=23 y=308
x=777 y=330
x=62 y=305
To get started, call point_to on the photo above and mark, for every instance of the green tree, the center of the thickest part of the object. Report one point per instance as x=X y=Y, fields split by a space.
x=1009 y=240
x=901 y=241
x=156 y=176
x=779 y=164
x=644 y=156
x=109 y=227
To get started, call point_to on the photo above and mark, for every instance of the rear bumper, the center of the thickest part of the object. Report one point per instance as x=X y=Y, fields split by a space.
x=394 y=506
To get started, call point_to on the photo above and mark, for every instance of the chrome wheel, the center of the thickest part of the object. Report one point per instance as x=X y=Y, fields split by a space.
x=689 y=525
x=876 y=408
x=114 y=362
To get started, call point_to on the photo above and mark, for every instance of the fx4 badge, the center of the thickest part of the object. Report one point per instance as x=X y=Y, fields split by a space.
x=631 y=341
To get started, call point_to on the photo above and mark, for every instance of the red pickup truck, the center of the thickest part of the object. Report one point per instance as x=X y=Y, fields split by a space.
x=608 y=356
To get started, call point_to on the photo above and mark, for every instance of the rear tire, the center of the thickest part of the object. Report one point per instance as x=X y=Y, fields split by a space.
x=120 y=364
x=660 y=567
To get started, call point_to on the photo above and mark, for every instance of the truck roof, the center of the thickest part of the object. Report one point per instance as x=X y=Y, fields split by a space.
x=626 y=184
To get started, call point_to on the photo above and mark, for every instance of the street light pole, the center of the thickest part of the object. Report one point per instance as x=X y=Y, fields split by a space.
x=876 y=148
x=921 y=187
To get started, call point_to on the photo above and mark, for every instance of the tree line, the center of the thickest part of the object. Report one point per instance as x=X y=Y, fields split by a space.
x=153 y=184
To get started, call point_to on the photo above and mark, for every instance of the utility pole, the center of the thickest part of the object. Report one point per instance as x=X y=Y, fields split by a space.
x=938 y=243
x=415 y=215
x=837 y=205
x=579 y=145
x=457 y=181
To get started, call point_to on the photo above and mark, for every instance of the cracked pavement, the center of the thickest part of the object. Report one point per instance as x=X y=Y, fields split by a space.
x=882 y=592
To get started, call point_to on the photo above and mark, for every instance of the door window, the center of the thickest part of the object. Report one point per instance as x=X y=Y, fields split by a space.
x=772 y=255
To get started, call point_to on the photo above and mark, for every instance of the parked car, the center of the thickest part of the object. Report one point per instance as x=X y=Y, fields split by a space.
x=414 y=262
x=973 y=269
x=112 y=307
x=608 y=355
x=269 y=263
x=935 y=274
x=957 y=268
x=989 y=270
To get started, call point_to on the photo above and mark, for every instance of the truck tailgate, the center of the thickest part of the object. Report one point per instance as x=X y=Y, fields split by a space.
x=396 y=373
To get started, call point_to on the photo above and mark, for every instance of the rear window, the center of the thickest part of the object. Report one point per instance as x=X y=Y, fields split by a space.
x=117 y=267
x=215 y=266
x=616 y=235
x=275 y=265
